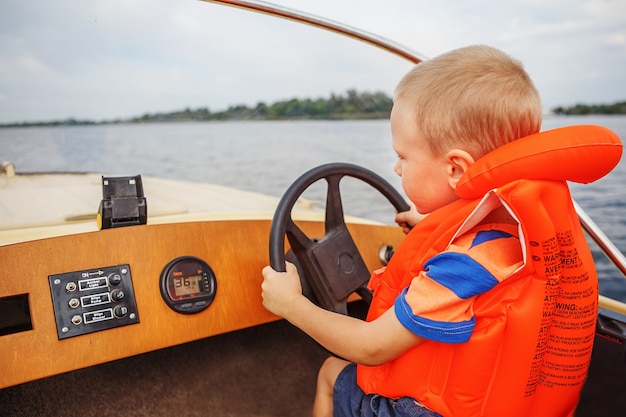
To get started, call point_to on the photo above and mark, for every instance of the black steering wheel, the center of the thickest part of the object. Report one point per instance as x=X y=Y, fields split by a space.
x=331 y=268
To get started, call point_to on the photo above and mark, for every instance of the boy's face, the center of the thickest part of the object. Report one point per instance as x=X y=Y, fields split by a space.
x=427 y=179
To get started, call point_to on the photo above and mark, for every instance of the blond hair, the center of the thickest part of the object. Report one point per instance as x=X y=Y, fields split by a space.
x=476 y=97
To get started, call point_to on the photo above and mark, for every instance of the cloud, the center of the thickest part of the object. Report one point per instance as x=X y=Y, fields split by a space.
x=108 y=59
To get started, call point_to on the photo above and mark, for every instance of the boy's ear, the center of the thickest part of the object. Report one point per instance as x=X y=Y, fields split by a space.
x=458 y=162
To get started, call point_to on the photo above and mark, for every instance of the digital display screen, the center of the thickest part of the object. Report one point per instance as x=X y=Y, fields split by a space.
x=187 y=285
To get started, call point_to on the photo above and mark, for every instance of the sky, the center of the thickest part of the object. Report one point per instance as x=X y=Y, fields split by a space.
x=108 y=59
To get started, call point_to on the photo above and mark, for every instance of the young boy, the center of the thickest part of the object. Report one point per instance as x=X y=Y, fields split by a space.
x=433 y=343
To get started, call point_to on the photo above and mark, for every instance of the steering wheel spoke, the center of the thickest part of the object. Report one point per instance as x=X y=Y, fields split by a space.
x=298 y=240
x=334 y=206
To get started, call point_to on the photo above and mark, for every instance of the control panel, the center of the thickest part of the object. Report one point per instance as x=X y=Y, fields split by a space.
x=93 y=300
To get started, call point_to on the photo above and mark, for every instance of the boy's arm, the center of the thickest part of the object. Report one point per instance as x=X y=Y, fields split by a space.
x=367 y=343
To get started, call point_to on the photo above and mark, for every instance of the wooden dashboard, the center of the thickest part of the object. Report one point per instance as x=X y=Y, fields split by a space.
x=235 y=250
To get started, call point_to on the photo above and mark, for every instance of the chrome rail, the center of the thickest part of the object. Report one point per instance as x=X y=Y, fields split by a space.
x=605 y=244
x=591 y=228
x=612 y=253
x=319 y=22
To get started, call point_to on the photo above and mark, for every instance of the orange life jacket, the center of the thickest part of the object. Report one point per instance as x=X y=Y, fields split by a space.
x=531 y=346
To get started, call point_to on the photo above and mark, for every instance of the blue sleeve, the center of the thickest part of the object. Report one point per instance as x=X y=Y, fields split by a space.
x=439 y=331
x=460 y=274
x=464 y=278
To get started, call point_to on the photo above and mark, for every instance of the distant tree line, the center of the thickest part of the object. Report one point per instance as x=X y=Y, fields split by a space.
x=351 y=105
x=583 y=109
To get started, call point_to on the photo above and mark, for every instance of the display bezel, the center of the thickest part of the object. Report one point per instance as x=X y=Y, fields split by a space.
x=188 y=301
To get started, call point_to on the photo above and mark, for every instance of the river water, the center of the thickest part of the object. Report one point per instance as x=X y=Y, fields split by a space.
x=268 y=156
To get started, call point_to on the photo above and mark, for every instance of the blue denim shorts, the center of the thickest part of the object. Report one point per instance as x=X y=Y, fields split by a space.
x=350 y=401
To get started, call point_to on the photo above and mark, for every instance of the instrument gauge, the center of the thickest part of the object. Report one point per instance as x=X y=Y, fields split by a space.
x=188 y=285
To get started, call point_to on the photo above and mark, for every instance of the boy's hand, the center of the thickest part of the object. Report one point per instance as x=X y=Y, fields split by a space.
x=280 y=290
x=407 y=219
x=370 y=343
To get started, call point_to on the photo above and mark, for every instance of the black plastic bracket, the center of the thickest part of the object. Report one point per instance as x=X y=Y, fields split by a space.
x=123 y=202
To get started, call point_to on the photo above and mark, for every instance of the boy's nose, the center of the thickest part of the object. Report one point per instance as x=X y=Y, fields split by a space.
x=398 y=168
